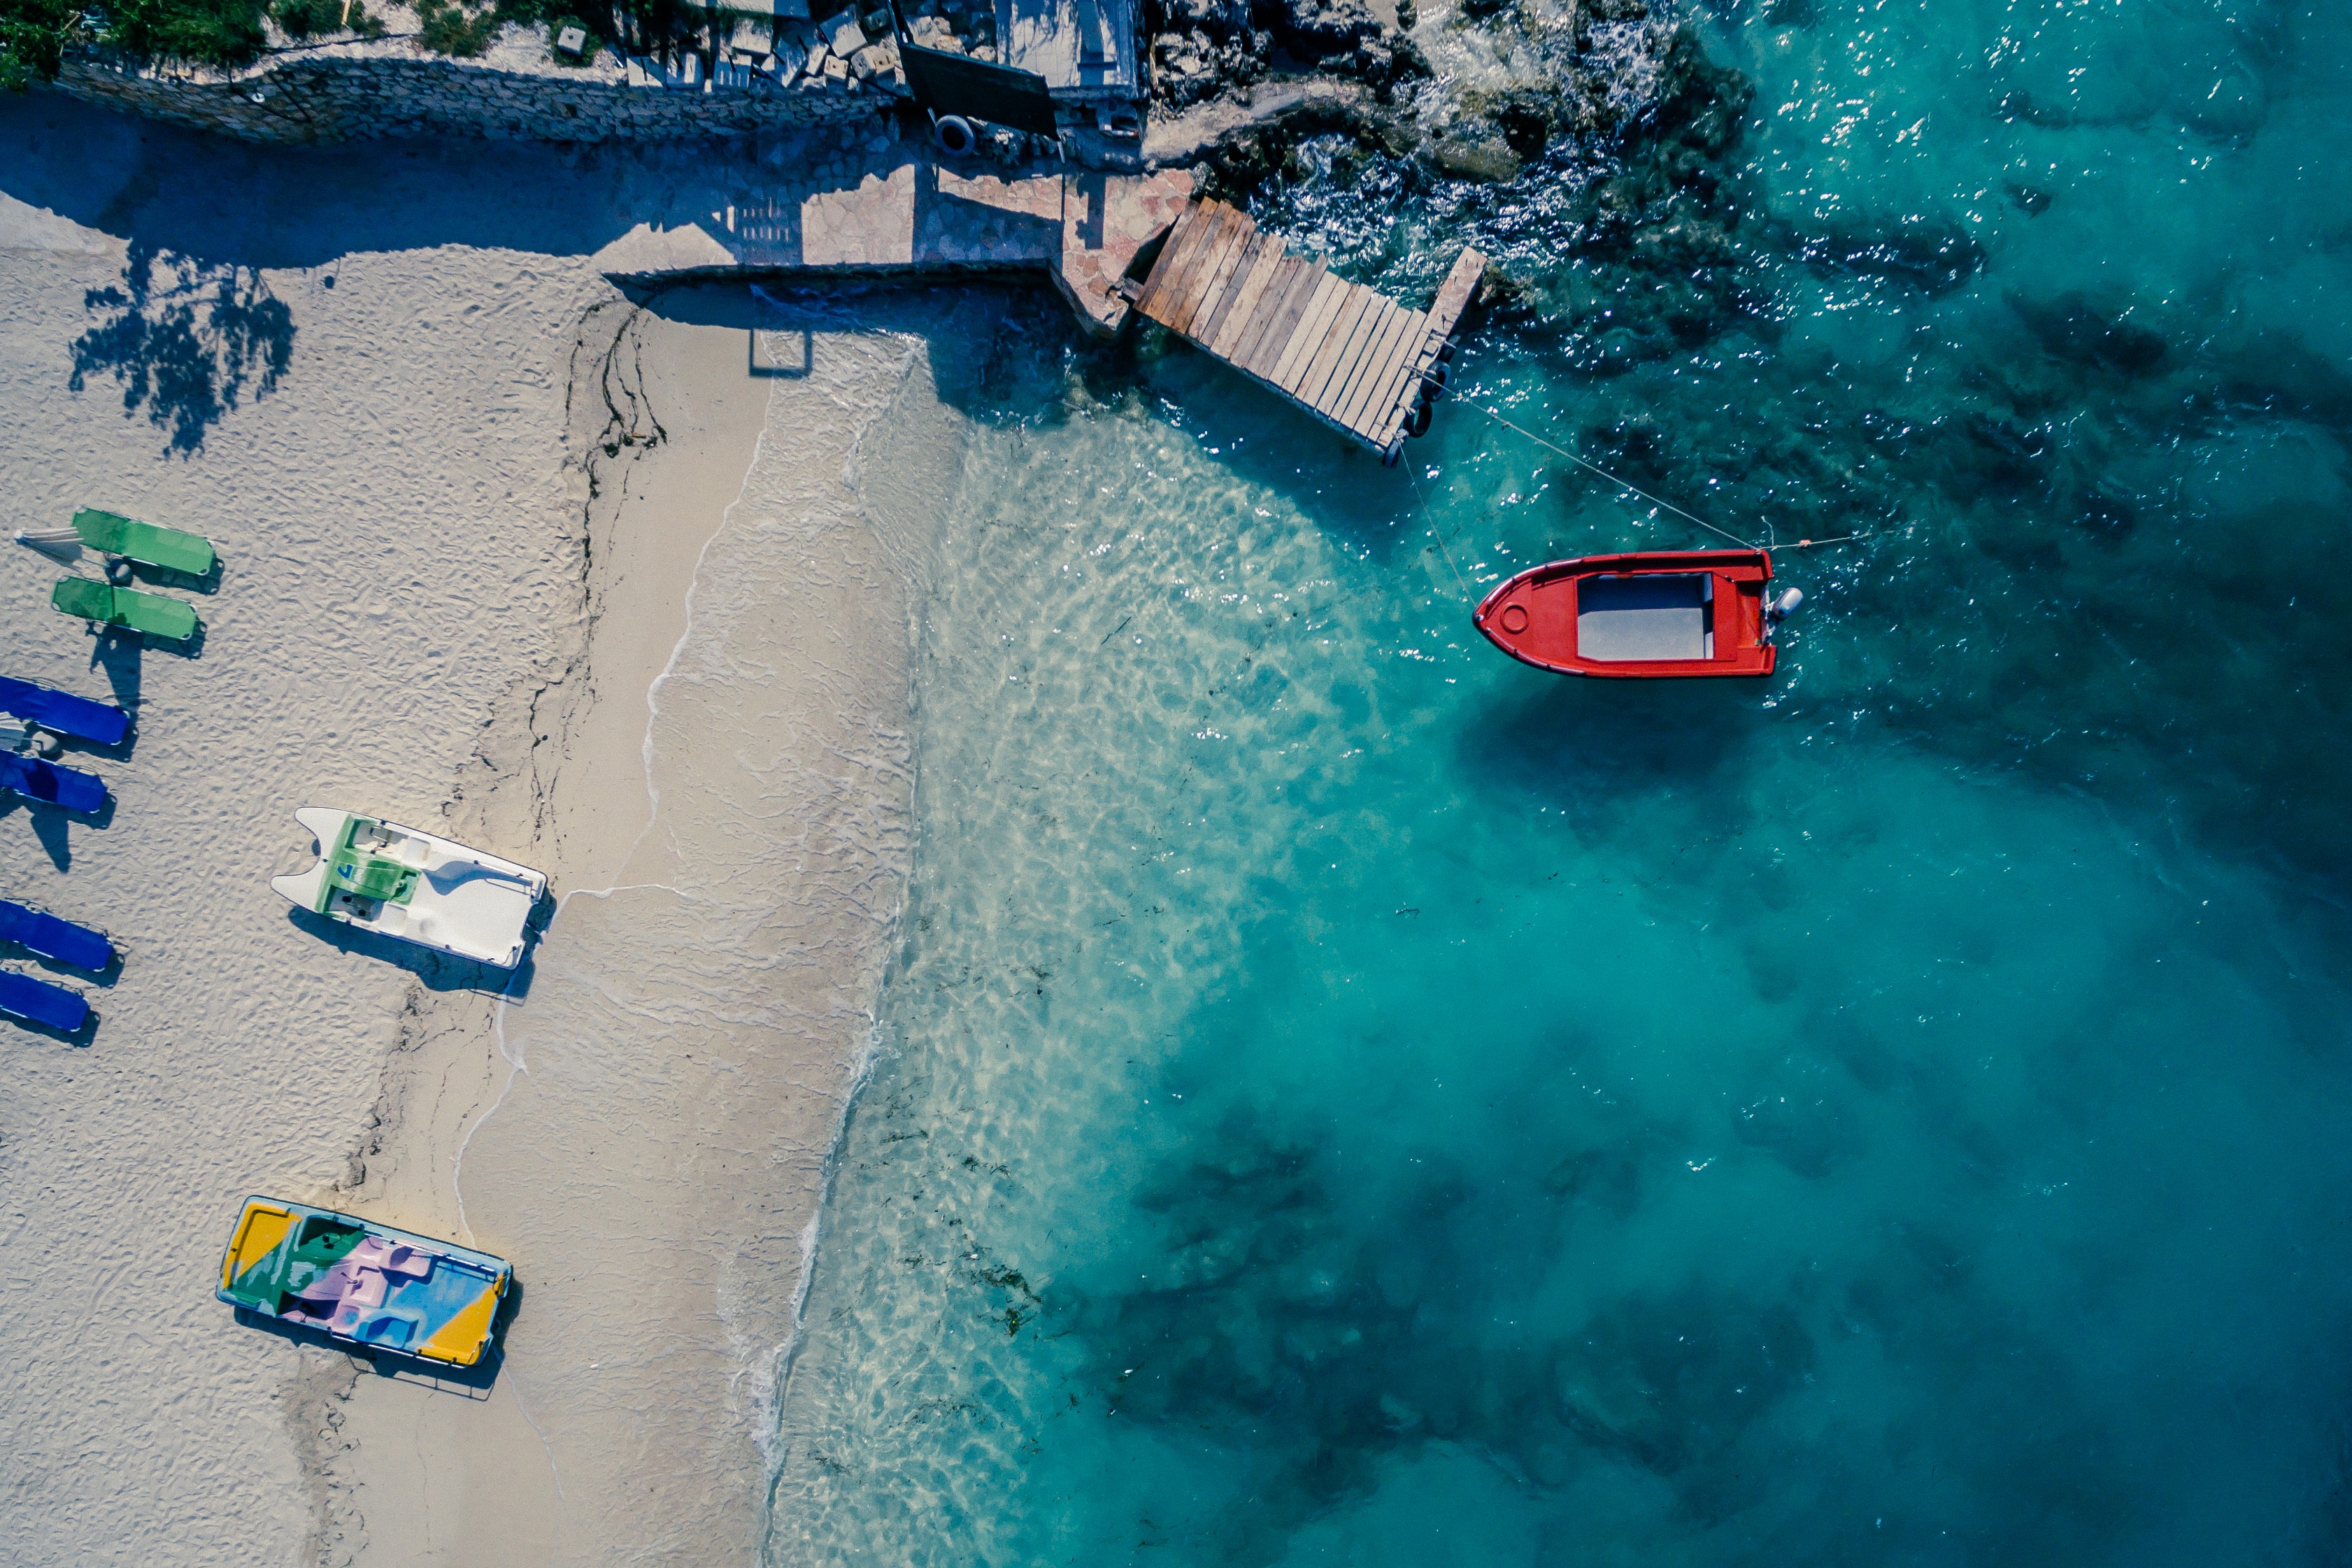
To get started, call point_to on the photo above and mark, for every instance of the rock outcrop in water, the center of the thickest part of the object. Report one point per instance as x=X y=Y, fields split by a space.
x=1200 y=49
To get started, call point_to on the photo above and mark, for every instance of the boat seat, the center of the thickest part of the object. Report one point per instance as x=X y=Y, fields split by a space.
x=370 y=876
x=1645 y=618
x=391 y=1258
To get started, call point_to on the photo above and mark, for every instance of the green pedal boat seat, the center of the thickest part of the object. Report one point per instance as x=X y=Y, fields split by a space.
x=143 y=541
x=150 y=613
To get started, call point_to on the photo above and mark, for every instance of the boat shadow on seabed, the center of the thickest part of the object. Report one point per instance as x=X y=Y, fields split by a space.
x=473 y=1382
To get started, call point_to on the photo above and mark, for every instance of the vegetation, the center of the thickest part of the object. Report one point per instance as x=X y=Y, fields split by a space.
x=223 y=32
x=33 y=38
x=34 y=35
x=300 y=19
x=448 y=28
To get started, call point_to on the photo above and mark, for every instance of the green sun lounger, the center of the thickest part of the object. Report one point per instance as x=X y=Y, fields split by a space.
x=151 y=613
x=143 y=541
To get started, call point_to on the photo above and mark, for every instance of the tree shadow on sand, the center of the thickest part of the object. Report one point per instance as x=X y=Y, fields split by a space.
x=187 y=339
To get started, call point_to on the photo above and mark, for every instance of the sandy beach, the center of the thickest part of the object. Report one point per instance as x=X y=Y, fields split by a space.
x=620 y=591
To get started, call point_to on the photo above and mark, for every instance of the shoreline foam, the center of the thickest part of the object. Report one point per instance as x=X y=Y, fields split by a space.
x=662 y=1207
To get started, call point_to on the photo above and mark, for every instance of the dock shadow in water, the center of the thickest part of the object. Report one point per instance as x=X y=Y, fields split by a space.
x=187 y=339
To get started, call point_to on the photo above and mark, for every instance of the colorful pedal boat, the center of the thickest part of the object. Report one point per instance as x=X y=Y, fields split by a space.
x=39 y=1002
x=365 y=1283
x=1655 y=615
x=419 y=886
x=64 y=713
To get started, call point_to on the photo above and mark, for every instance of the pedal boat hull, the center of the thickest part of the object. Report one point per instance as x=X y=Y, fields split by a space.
x=364 y=1283
x=414 y=886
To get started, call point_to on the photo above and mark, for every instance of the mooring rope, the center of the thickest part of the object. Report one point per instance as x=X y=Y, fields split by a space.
x=1620 y=484
x=1431 y=518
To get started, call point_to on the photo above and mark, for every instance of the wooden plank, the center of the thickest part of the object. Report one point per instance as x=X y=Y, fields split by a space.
x=1170 y=248
x=1365 y=407
x=1319 y=345
x=1231 y=276
x=1358 y=413
x=1337 y=341
x=1330 y=294
x=1251 y=317
x=1270 y=301
x=1245 y=266
x=1421 y=359
x=1351 y=345
x=1213 y=273
x=1395 y=377
x=1308 y=335
x=1242 y=314
x=1180 y=286
x=1283 y=316
x=1374 y=348
x=1368 y=327
x=1369 y=359
x=1191 y=225
x=1284 y=320
x=1453 y=294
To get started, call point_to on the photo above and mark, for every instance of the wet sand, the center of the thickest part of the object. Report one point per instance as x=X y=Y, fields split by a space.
x=645 y=1129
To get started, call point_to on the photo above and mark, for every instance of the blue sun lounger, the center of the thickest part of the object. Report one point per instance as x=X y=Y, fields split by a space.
x=64 y=713
x=41 y=1002
x=46 y=935
x=51 y=784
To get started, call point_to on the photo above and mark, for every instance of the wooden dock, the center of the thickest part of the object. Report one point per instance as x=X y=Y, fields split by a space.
x=1352 y=357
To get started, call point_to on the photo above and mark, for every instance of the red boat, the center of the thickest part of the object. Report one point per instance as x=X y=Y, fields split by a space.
x=1658 y=613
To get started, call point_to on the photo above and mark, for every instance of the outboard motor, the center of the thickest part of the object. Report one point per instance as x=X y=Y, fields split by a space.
x=1782 y=603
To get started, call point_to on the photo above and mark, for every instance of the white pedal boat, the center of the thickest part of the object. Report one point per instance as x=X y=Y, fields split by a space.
x=414 y=885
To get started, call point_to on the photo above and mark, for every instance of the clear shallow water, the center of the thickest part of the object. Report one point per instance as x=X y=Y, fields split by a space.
x=1348 y=1098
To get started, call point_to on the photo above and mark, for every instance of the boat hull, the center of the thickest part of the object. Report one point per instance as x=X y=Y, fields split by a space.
x=364 y=1283
x=1653 y=616
x=414 y=886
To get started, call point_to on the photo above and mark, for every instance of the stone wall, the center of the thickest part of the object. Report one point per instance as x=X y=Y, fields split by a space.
x=347 y=96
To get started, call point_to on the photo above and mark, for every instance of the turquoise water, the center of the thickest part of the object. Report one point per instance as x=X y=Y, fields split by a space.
x=1350 y=1098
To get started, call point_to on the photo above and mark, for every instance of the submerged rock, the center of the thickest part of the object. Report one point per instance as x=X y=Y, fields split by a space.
x=1935 y=255
x=1492 y=162
x=2076 y=331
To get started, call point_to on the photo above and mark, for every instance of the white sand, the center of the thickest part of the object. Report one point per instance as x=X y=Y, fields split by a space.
x=412 y=618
